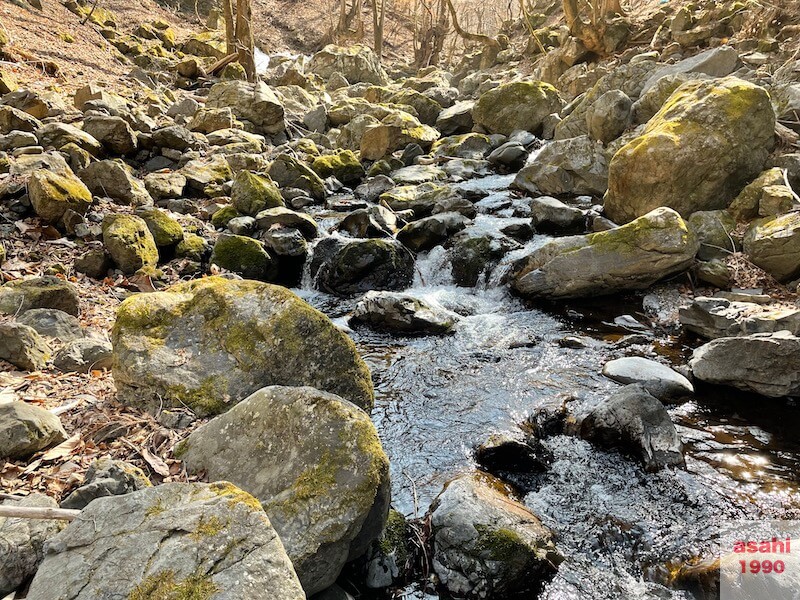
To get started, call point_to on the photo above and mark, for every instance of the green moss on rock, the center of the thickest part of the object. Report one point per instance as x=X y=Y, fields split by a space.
x=517 y=105
x=253 y=193
x=52 y=194
x=164 y=586
x=243 y=255
x=129 y=242
x=343 y=165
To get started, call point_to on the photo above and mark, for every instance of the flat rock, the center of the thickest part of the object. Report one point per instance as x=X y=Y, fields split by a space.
x=402 y=313
x=719 y=317
x=661 y=381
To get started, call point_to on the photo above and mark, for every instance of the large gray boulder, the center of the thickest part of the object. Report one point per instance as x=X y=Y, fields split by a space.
x=519 y=105
x=402 y=313
x=633 y=420
x=210 y=343
x=22 y=541
x=574 y=166
x=315 y=463
x=253 y=102
x=630 y=257
x=764 y=363
x=717 y=62
x=177 y=540
x=358 y=64
x=52 y=194
x=25 y=429
x=774 y=245
x=114 y=179
x=719 y=317
x=696 y=153
x=488 y=545
x=609 y=117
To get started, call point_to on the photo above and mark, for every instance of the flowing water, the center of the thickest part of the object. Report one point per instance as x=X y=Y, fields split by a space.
x=439 y=397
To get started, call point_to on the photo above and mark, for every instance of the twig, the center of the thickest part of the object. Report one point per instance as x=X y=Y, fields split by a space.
x=38 y=512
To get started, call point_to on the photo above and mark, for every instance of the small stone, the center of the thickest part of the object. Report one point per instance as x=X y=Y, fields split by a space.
x=83 y=355
x=26 y=429
x=23 y=347
x=106 y=477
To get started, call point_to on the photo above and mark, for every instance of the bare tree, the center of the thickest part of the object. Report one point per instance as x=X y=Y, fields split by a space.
x=245 y=43
x=594 y=32
x=378 y=23
x=491 y=46
x=230 y=28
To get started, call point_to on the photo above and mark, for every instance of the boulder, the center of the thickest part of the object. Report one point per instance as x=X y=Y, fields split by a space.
x=720 y=317
x=177 y=540
x=252 y=193
x=26 y=429
x=371 y=222
x=469 y=145
x=106 y=477
x=57 y=135
x=520 y=105
x=243 y=255
x=717 y=62
x=488 y=545
x=714 y=229
x=774 y=245
x=573 y=166
x=609 y=116
x=23 y=541
x=764 y=363
x=52 y=324
x=395 y=132
x=343 y=165
x=745 y=207
x=431 y=231
x=53 y=194
x=456 y=119
x=210 y=343
x=326 y=492
x=472 y=256
x=348 y=267
x=113 y=133
x=357 y=64
x=551 y=215
x=114 y=179
x=630 y=257
x=167 y=232
x=402 y=313
x=288 y=172
x=696 y=153
x=83 y=355
x=129 y=242
x=253 y=102
x=286 y=218
x=13 y=119
x=633 y=420
x=659 y=380
x=23 y=347
x=48 y=291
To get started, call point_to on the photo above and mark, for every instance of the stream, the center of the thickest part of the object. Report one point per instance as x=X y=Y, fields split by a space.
x=437 y=398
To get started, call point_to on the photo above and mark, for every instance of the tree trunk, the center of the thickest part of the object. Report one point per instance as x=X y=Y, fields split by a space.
x=378 y=21
x=244 y=38
x=491 y=45
x=230 y=30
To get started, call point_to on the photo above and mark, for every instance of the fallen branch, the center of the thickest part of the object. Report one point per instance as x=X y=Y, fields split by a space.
x=222 y=63
x=36 y=512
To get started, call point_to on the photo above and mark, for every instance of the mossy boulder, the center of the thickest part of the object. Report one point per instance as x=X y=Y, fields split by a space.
x=114 y=179
x=233 y=338
x=348 y=267
x=129 y=242
x=48 y=291
x=166 y=230
x=469 y=145
x=243 y=255
x=631 y=257
x=696 y=153
x=224 y=215
x=427 y=109
x=395 y=132
x=520 y=105
x=358 y=64
x=193 y=247
x=774 y=245
x=286 y=218
x=344 y=165
x=252 y=193
x=487 y=544
x=288 y=172
x=52 y=194
x=325 y=491
x=198 y=541
x=23 y=347
x=207 y=43
x=714 y=229
x=745 y=206
x=26 y=429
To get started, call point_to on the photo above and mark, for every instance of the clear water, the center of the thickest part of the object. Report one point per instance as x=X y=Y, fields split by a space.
x=439 y=397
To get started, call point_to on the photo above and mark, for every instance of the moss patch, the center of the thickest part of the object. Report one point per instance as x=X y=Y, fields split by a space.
x=163 y=586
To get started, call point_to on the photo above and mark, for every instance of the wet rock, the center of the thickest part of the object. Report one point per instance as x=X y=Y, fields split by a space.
x=511 y=155
x=114 y=179
x=630 y=257
x=349 y=267
x=285 y=217
x=47 y=291
x=327 y=496
x=26 y=429
x=253 y=102
x=764 y=363
x=659 y=380
x=245 y=256
x=357 y=64
x=431 y=231
x=372 y=222
x=402 y=313
x=633 y=420
x=51 y=323
x=106 y=477
x=474 y=256
x=488 y=545
x=129 y=242
x=23 y=541
x=23 y=347
x=113 y=133
x=83 y=356
x=192 y=539
x=235 y=338
x=573 y=166
x=520 y=105
x=387 y=557
x=52 y=194
x=609 y=116
x=504 y=456
x=697 y=153
x=719 y=317
x=549 y=215
x=774 y=245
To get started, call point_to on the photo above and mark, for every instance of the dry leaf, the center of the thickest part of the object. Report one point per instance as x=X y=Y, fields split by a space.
x=158 y=465
x=63 y=449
